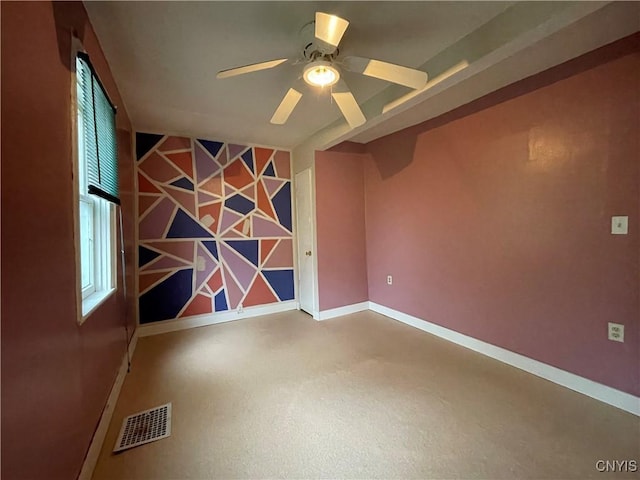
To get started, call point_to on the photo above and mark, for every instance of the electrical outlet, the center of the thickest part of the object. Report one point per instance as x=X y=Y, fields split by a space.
x=240 y=309
x=620 y=225
x=389 y=280
x=616 y=332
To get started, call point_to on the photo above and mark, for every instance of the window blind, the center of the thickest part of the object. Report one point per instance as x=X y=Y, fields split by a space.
x=99 y=133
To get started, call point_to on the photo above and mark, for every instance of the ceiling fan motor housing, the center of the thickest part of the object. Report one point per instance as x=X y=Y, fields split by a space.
x=314 y=47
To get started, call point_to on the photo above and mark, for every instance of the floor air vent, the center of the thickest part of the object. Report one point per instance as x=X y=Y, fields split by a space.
x=144 y=427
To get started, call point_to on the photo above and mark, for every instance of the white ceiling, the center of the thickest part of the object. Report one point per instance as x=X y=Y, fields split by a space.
x=164 y=57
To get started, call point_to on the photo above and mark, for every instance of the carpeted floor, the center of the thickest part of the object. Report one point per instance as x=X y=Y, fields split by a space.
x=361 y=396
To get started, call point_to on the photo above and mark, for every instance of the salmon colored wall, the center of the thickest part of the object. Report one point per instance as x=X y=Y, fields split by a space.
x=342 y=259
x=495 y=219
x=56 y=375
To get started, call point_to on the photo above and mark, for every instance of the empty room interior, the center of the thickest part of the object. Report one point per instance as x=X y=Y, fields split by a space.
x=320 y=240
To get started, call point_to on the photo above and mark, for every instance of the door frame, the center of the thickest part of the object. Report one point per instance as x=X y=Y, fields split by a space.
x=311 y=171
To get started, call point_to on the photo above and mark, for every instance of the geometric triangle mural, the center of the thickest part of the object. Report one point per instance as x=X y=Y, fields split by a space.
x=262 y=157
x=215 y=227
x=205 y=163
x=282 y=255
x=266 y=246
x=212 y=147
x=247 y=248
x=183 y=183
x=183 y=198
x=145 y=142
x=269 y=171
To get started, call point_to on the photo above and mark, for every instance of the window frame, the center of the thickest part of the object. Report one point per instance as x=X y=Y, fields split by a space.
x=104 y=261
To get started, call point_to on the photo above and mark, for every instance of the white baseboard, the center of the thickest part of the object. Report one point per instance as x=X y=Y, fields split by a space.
x=100 y=434
x=156 y=328
x=338 y=312
x=612 y=396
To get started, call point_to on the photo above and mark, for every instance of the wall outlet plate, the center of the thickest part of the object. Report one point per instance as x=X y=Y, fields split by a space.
x=389 y=280
x=616 y=332
x=620 y=225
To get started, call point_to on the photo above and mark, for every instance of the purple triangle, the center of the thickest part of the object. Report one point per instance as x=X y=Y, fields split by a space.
x=229 y=219
x=241 y=269
x=235 y=150
x=228 y=190
x=266 y=228
x=271 y=185
x=165 y=263
x=154 y=224
x=206 y=198
x=205 y=165
x=232 y=288
x=209 y=266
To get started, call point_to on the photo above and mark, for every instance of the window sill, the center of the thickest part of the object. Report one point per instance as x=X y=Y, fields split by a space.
x=93 y=301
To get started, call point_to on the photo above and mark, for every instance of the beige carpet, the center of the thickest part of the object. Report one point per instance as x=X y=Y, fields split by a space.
x=362 y=396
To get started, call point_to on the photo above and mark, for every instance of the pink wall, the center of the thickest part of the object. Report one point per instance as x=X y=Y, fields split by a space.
x=495 y=219
x=56 y=375
x=342 y=260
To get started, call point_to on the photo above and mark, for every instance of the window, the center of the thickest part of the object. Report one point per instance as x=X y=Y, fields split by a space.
x=97 y=187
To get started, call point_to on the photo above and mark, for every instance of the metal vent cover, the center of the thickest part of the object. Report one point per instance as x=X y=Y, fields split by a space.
x=144 y=427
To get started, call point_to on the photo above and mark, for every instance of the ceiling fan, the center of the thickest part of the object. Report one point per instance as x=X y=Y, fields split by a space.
x=322 y=69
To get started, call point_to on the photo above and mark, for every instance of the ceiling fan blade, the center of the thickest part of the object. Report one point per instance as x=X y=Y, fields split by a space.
x=330 y=28
x=285 y=108
x=254 y=67
x=390 y=72
x=348 y=106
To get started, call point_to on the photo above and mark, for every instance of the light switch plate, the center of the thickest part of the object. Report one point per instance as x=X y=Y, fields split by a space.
x=616 y=332
x=620 y=225
x=200 y=265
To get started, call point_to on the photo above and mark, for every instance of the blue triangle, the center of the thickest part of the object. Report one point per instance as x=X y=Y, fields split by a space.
x=165 y=300
x=282 y=204
x=247 y=248
x=183 y=183
x=248 y=159
x=220 y=302
x=269 y=172
x=145 y=142
x=281 y=281
x=145 y=256
x=212 y=247
x=212 y=147
x=239 y=204
x=184 y=226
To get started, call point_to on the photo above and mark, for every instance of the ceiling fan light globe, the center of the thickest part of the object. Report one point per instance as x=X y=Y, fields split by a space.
x=321 y=74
